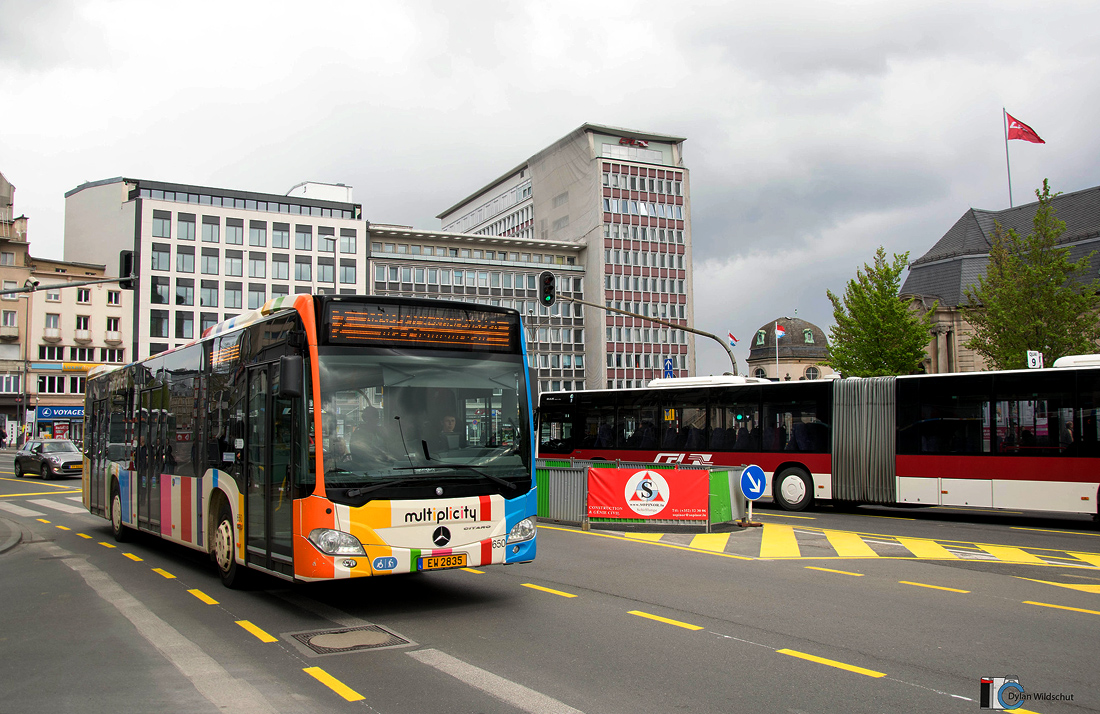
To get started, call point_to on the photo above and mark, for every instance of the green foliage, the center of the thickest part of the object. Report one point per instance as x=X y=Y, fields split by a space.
x=876 y=333
x=1031 y=297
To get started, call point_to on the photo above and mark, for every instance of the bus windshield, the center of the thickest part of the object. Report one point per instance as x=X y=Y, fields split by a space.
x=391 y=418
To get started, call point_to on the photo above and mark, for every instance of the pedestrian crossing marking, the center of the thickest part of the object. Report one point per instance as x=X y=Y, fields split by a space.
x=849 y=545
x=778 y=541
x=78 y=499
x=19 y=510
x=926 y=548
x=715 y=542
x=63 y=507
x=1010 y=554
x=1090 y=558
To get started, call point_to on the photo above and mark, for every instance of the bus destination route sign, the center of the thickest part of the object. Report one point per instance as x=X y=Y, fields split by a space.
x=436 y=328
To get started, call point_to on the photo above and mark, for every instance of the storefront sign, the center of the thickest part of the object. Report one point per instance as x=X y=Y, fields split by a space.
x=642 y=493
x=51 y=413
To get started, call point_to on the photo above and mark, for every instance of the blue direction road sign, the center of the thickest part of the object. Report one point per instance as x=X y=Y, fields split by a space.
x=753 y=482
x=668 y=366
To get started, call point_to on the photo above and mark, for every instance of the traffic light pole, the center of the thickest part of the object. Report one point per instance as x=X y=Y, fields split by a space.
x=692 y=330
x=57 y=286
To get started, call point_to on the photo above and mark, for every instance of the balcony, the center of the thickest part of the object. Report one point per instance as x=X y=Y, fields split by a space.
x=114 y=337
x=51 y=334
x=9 y=332
x=83 y=336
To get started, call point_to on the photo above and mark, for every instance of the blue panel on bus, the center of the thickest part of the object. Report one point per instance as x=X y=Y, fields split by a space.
x=124 y=494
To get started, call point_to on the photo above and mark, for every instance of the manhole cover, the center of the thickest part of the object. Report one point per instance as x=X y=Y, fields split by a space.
x=347 y=639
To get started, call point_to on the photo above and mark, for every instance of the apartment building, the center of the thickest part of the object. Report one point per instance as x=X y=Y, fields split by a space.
x=624 y=196
x=206 y=254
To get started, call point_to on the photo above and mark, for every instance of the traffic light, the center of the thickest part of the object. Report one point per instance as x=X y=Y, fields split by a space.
x=547 y=287
x=126 y=269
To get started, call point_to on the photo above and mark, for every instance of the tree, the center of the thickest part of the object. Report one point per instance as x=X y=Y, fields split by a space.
x=1032 y=297
x=877 y=334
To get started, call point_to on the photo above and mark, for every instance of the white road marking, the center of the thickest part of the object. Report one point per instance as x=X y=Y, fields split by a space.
x=78 y=499
x=224 y=691
x=19 y=510
x=517 y=695
x=63 y=507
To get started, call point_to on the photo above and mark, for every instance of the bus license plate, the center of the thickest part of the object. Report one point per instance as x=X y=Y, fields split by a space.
x=439 y=562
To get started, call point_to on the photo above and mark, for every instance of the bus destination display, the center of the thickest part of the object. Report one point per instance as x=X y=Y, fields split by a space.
x=439 y=329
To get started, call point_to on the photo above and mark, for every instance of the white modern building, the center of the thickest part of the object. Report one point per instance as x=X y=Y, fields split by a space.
x=205 y=254
x=622 y=195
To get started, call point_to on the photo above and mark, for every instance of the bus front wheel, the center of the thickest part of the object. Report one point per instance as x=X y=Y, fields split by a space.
x=794 y=489
x=118 y=529
x=232 y=574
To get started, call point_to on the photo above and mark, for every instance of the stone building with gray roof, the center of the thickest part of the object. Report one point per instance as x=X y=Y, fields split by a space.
x=958 y=259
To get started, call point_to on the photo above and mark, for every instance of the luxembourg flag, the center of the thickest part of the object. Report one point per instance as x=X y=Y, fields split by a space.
x=779 y=331
x=733 y=340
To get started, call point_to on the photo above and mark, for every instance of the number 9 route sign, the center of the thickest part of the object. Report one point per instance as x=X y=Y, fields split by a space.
x=753 y=482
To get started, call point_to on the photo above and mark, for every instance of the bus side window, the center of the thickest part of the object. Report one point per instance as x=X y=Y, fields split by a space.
x=556 y=434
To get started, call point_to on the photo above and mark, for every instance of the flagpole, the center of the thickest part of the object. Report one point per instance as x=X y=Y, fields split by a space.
x=1008 y=165
x=775 y=332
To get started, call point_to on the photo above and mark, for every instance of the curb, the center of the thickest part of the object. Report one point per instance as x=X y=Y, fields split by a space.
x=10 y=535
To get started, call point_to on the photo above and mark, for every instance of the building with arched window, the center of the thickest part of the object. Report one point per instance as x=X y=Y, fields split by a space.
x=788 y=349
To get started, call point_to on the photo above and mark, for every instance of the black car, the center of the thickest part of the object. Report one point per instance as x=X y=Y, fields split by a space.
x=49 y=458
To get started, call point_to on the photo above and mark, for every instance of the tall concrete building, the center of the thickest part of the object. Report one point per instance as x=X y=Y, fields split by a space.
x=204 y=255
x=623 y=195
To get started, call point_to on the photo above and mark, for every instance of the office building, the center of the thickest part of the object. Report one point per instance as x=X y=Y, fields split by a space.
x=623 y=195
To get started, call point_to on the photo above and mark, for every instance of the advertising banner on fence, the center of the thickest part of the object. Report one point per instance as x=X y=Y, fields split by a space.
x=642 y=493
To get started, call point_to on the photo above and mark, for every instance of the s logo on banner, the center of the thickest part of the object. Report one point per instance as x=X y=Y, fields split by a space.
x=646 y=493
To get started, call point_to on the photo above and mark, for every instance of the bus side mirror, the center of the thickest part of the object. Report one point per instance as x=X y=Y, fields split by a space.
x=290 y=376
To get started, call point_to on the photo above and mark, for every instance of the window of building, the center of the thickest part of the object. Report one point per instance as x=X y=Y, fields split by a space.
x=326 y=272
x=109 y=354
x=10 y=285
x=82 y=322
x=280 y=267
x=303 y=237
x=207 y=320
x=257 y=265
x=185 y=291
x=112 y=324
x=53 y=295
x=53 y=320
x=257 y=294
x=210 y=261
x=303 y=268
x=211 y=229
x=114 y=297
x=234 y=231
x=162 y=224
x=347 y=273
x=49 y=384
x=233 y=296
x=326 y=240
x=83 y=295
x=208 y=294
x=54 y=353
x=257 y=233
x=10 y=318
x=7 y=258
x=234 y=263
x=185 y=226
x=347 y=240
x=158 y=323
x=185 y=325
x=161 y=258
x=11 y=383
x=185 y=260
x=280 y=235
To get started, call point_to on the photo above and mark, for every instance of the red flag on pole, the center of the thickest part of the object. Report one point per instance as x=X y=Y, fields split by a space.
x=1018 y=130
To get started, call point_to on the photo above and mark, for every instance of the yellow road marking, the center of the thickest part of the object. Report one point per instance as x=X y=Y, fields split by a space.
x=645 y=536
x=259 y=634
x=1044 y=530
x=472 y=570
x=778 y=542
x=785 y=515
x=165 y=573
x=547 y=590
x=934 y=587
x=849 y=545
x=107 y=545
x=892 y=518
x=42 y=493
x=926 y=548
x=41 y=520
x=65 y=528
x=833 y=663
x=658 y=543
x=203 y=596
x=1072 y=586
x=715 y=542
x=132 y=557
x=84 y=535
x=1090 y=558
x=830 y=570
x=1061 y=607
x=665 y=620
x=334 y=684
x=1011 y=554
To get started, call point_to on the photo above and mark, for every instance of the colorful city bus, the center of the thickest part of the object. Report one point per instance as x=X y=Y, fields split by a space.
x=1026 y=439
x=324 y=437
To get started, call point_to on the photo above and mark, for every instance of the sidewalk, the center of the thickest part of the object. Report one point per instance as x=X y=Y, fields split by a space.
x=10 y=535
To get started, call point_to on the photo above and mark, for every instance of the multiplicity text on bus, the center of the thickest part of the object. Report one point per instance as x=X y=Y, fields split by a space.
x=324 y=437
x=1026 y=439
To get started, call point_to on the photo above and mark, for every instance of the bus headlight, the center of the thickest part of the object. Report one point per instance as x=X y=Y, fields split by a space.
x=524 y=530
x=332 y=542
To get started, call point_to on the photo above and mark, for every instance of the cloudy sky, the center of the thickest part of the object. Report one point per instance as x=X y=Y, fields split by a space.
x=816 y=131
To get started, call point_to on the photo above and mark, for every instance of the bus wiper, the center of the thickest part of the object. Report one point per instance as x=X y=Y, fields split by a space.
x=445 y=465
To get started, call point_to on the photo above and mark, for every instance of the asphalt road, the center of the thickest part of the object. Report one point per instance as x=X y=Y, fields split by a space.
x=825 y=611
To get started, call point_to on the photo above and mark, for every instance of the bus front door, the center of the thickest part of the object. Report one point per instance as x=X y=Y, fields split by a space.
x=268 y=468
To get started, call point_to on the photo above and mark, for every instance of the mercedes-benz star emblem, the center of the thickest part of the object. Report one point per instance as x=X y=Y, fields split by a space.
x=441 y=537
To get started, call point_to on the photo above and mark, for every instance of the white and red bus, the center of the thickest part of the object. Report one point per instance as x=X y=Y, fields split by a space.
x=1026 y=439
x=324 y=437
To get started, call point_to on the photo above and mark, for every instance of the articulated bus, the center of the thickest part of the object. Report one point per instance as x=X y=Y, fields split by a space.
x=324 y=437
x=1025 y=439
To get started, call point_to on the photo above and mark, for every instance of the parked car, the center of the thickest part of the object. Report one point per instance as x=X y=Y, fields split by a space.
x=49 y=458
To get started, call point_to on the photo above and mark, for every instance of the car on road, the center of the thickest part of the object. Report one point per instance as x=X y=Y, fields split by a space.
x=49 y=458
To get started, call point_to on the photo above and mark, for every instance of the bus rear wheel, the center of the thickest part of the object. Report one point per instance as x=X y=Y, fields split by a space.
x=223 y=550
x=794 y=489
